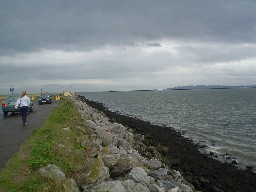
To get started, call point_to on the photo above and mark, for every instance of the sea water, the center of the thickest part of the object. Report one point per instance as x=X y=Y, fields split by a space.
x=224 y=120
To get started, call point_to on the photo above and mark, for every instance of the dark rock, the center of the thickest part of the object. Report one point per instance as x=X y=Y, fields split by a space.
x=174 y=162
x=215 y=189
x=249 y=167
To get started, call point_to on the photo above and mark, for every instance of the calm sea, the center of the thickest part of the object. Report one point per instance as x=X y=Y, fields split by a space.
x=224 y=120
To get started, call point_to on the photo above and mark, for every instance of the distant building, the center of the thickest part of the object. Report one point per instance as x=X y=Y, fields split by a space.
x=67 y=94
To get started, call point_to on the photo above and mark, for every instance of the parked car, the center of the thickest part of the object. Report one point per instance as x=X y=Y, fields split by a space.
x=9 y=105
x=42 y=99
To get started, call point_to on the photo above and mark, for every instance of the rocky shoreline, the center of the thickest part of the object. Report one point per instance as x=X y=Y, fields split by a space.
x=161 y=156
x=120 y=166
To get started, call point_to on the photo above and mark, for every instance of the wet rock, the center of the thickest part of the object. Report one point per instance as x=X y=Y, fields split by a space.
x=174 y=162
x=234 y=162
x=249 y=167
x=216 y=189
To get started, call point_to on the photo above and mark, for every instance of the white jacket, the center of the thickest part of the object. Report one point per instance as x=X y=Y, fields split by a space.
x=22 y=101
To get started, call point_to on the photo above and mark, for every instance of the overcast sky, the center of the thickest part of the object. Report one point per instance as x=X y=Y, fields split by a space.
x=98 y=45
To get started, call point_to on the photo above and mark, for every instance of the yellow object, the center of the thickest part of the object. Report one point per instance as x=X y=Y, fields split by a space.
x=32 y=98
x=67 y=94
x=57 y=98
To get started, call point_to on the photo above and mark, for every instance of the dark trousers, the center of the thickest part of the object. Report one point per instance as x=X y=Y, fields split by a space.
x=24 y=113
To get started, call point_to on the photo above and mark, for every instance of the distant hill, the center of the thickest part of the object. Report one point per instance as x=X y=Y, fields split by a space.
x=191 y=87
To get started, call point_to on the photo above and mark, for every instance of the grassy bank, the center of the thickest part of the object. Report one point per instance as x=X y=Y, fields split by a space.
x=53 y=143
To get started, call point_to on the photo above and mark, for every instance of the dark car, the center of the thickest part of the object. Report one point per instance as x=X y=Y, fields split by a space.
x=42 y=99
x=9 y=105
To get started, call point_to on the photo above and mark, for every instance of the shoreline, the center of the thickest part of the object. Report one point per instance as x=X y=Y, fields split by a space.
x=204 y=172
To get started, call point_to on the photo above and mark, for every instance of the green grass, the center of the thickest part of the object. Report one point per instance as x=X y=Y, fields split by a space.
x=50 y=144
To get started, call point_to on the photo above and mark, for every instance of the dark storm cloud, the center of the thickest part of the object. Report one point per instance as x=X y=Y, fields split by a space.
x=120 y=42
x=29 y=25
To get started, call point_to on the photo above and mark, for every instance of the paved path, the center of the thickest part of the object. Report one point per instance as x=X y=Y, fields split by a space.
x=13 y=133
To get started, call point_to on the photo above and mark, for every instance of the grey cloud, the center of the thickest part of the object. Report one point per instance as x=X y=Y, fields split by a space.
x=154 y=44
x=135 y=34
x=218 y=52
x=29 y=25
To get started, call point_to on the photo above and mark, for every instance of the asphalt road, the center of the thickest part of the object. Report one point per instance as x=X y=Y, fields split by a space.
x=13 y=133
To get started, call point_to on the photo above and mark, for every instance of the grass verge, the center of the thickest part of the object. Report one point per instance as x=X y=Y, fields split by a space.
x=53 y=143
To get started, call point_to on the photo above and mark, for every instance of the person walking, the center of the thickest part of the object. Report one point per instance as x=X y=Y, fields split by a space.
x=23 y=102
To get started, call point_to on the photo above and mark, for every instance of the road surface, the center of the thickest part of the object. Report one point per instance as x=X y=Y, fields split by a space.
x=13 y=133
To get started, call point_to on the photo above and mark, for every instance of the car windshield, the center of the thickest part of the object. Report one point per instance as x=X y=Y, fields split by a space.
x=45 y=96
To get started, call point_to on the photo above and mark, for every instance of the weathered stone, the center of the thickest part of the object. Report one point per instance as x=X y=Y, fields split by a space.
x=139 y=175
x=90 y=124
x=109 y=186
x=175 y=189
x=166 y=184
x=91 y=144
x=139 y=146
x=66 y=129
x=70 y=185
x=154 y=163
x=156 y=188
x=111 y=160
x=113 y=149
x=53 y=172
x=176 y=174
x=106 y=137
x=124 y=165
x=130 y=186
x=89 y=130
x=135 y=154
x=81 y=129
x=185 y=188
x=159 y=174
x=95 y=172
x=139 y=137
x=122 y=151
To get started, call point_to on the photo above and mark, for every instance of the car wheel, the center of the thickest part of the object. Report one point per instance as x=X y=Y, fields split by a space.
x=5 y=113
